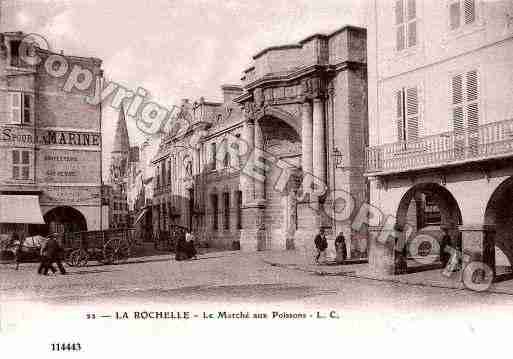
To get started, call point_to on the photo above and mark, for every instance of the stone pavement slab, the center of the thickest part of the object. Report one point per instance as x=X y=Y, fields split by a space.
x=297 y=260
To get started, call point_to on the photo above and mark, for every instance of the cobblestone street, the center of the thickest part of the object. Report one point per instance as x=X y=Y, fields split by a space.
x=230 y=277
x=57 y=307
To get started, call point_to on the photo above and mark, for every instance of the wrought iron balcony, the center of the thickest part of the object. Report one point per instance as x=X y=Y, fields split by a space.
x=488 y=141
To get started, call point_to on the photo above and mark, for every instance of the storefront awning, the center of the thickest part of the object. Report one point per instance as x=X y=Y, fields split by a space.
x=20 y=209
x=141 y=215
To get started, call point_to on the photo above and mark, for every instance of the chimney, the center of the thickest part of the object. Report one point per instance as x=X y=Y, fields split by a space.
x=230 y=92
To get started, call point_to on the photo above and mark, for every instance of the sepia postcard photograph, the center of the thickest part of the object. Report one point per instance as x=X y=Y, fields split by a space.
x=256 y=178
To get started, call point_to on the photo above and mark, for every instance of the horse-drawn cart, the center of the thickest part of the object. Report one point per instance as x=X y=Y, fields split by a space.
x=107 y=247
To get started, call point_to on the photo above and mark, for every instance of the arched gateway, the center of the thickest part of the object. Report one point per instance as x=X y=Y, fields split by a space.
x=64 y=219
x=426 y=209
x=498 y=220
x=300 y=117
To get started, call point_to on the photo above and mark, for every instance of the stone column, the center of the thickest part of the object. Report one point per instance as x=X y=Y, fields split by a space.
x=319 y=140
x=247 y=183
x=259 y=156
x=306 y=138
x=196 y=164
x=478 y=244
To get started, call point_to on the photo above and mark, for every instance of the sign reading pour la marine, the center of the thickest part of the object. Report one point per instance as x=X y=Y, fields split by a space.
x=50 y=137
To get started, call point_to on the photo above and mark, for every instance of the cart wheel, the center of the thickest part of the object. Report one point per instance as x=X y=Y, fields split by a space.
x=109 y=251
x=123 y=252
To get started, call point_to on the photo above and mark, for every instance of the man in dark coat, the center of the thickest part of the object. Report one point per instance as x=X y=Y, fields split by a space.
x=340 y=247
x=52 y=252
x=180 y=250
x=445 y=242
x=321 y=244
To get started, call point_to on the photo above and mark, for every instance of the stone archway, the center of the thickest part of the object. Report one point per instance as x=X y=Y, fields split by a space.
x=282 y=142
x=426 y=209
x=498 y=218
x=64 y=219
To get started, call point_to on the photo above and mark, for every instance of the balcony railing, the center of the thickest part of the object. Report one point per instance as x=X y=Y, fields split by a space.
x=488 y=141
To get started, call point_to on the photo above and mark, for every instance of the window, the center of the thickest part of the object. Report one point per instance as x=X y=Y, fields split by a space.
x=432 y=213
x=407 y=114
x=461 y=13
x=213 y=151
x=239 y=209
x=465 y=108
x=227 y=157
x=20 y=164
x=22 y=107
x=164 y=174
x=215 y=223
x=169 y=172
x=226 y=200
x=157 y=175
x=15 y=53
x=406 y=24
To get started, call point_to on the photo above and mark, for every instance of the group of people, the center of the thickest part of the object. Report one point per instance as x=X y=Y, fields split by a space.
x=51 y=252
x=321 y=245
x=185 y=248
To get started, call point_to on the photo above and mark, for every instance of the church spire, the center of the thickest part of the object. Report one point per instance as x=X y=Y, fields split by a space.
x=120 y=150
x=121 y=141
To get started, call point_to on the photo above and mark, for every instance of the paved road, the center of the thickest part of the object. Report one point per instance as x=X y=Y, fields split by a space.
x=228 y=277
x=402 y=318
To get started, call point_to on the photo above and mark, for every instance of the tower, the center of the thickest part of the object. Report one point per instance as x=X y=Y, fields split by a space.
x=120 y=151
x=118 y=179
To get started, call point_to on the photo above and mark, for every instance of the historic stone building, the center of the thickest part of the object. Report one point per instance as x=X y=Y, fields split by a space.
x=50 y=141
x=440 y=109
x=239 y=172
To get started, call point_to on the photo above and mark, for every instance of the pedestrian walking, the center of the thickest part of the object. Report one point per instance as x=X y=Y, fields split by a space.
x=19 y=248
x=340 y=247
x=180 y=248
x=445 y=242
x=53 y=253
x=189 y=245
x=321 y=244
x=44 y=260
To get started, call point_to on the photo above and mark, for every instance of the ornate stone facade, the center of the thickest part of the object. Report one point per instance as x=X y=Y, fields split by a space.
x=297 y=106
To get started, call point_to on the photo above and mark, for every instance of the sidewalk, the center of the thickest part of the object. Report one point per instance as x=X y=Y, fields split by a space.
x=296 y=260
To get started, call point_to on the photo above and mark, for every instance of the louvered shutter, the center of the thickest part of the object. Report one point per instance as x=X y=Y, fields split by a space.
x=469 y=8
x=28 y=108
x=472 y=97
x=25 y=158
x=15 y=164
x=454 y=14
x=472 y=93
x=457 y=101
x=15 y=107
x=412 y=23
x=412 y=111
x=399 y=115
x=401 y=26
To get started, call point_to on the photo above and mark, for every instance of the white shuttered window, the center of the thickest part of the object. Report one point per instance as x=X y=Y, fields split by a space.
x=406 y=24
x=461 y=13
x=22 y=107
x=465 y=101
x=407 y=114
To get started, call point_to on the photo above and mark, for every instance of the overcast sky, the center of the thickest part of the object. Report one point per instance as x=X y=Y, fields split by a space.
x=177 y=48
